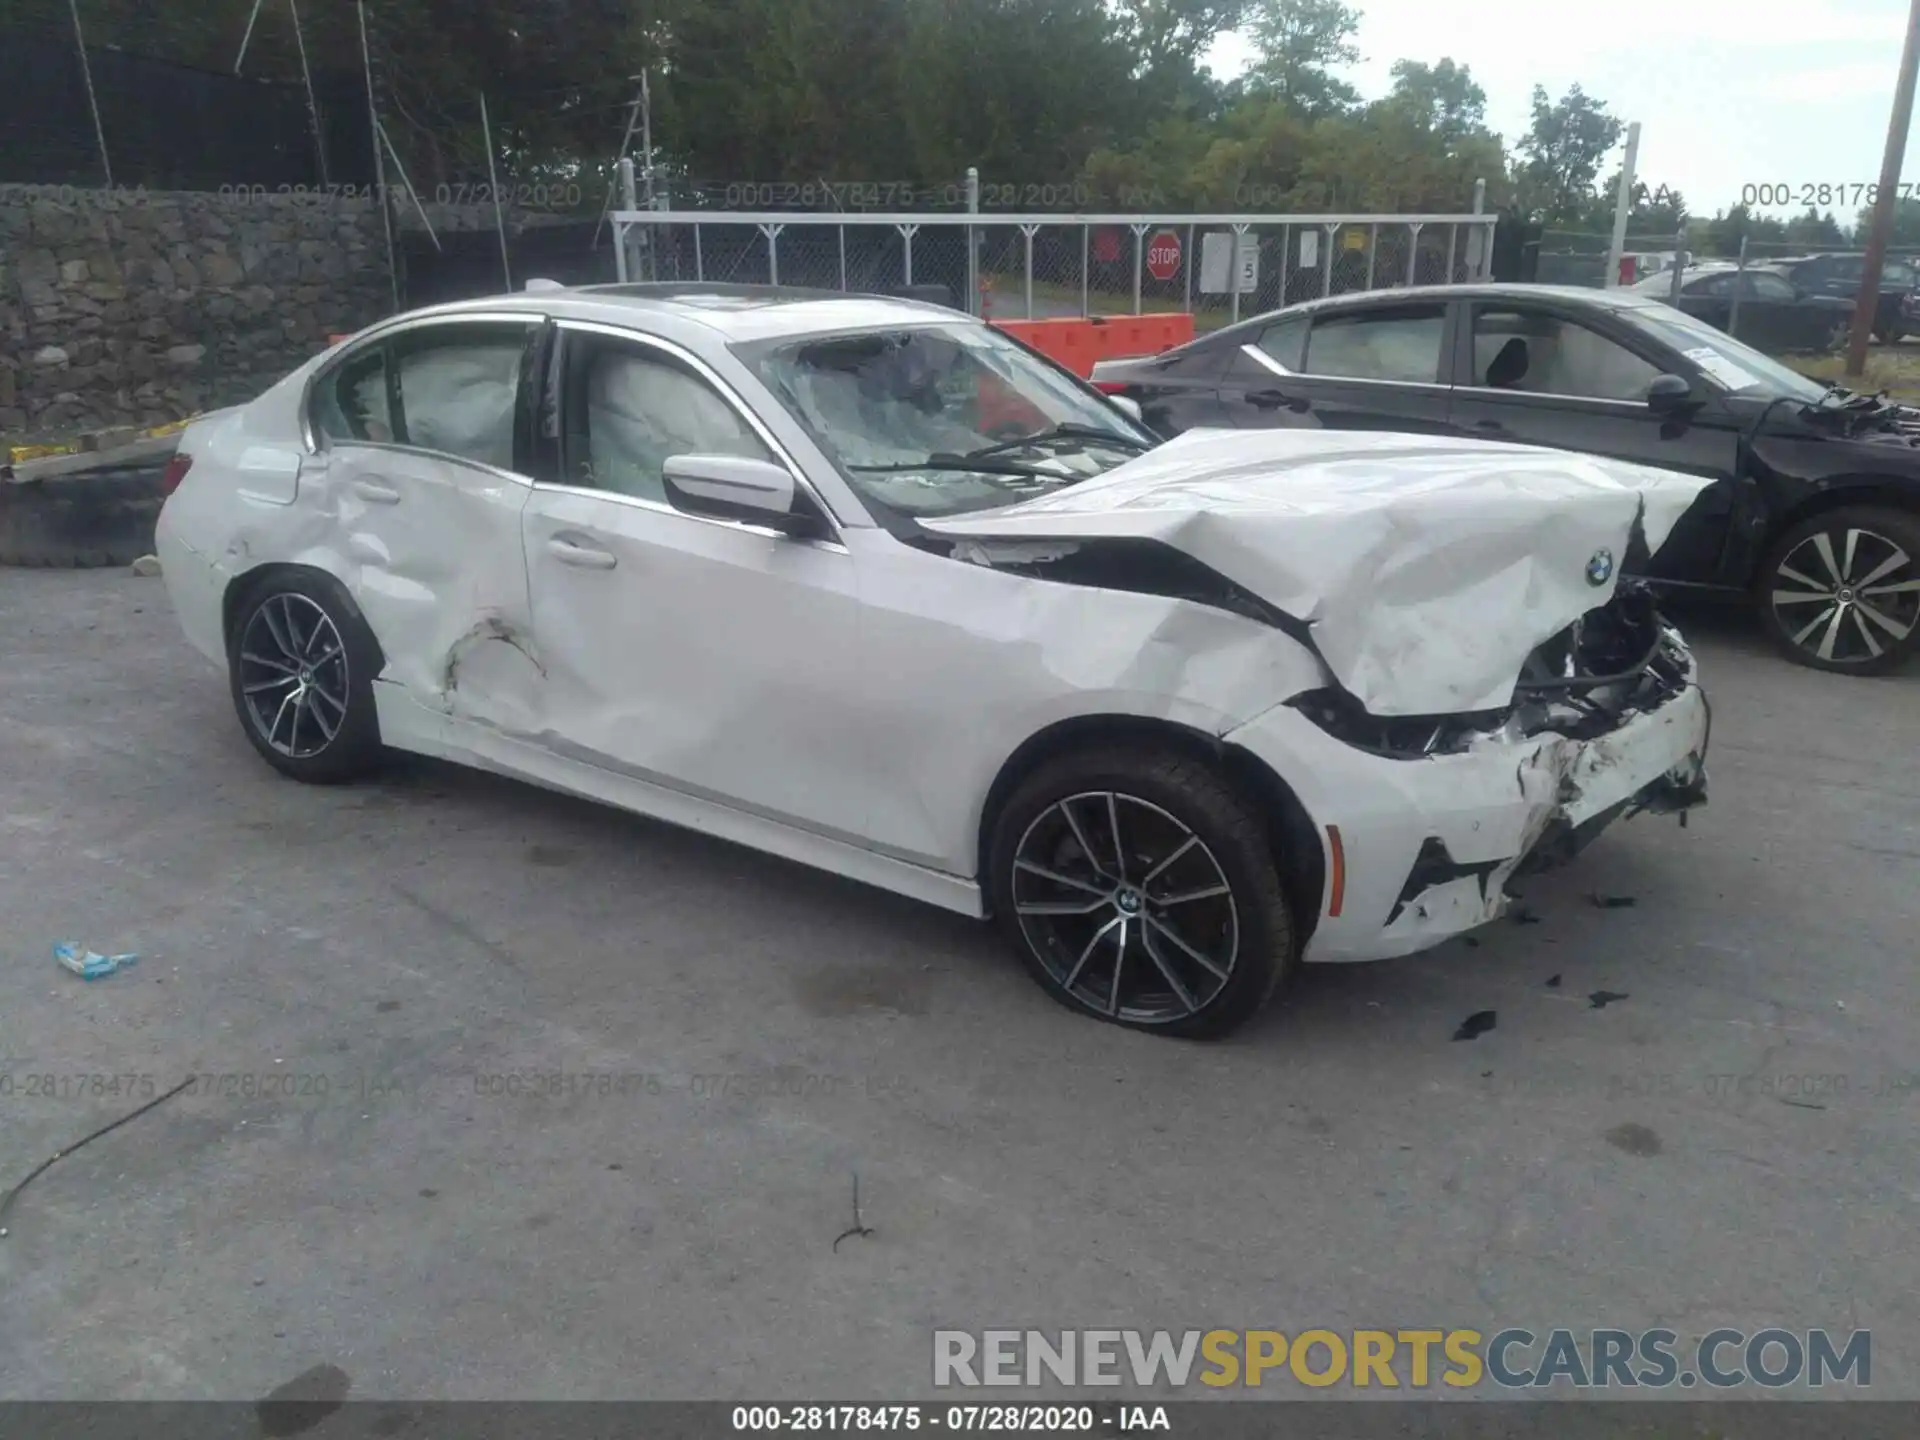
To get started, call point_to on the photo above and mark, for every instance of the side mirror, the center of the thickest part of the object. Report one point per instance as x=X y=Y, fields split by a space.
x=1127 y=406
x=1669 y=394
x=731 y=487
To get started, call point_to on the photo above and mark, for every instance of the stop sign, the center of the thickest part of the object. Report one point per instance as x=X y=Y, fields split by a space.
x=1163 y=255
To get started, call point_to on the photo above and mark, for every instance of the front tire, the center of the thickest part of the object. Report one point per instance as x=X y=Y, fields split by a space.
x=1139 y=888
x=300 y=665
x=1841 y=592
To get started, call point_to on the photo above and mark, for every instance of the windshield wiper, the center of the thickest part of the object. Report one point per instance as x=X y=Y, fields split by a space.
x=1068 y=431
x=975 y=466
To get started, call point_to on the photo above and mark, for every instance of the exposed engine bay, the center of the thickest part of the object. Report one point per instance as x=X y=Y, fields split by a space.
x=1619 y=659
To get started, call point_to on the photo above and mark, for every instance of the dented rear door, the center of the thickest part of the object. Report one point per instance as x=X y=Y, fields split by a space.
x=428 y=499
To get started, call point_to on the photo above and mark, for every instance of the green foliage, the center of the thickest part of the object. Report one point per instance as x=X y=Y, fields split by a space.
x=1815 y=231
x=1298 y=42
x=1564 y=149
x=1906 y=225
x=913 y=92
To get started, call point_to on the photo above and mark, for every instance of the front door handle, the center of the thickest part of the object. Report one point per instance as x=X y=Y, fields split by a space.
x=375 y=493
x=1273 y=400
x=1491 y=427
x=583 y=557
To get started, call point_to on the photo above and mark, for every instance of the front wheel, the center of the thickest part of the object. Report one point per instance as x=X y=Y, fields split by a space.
x=1841 y=591
x=300 y=665
x=1140 y=889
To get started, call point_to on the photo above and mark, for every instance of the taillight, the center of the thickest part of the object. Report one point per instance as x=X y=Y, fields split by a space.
x=175 y=472
x=1111 y=387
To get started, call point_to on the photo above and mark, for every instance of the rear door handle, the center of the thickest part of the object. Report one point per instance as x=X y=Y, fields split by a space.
x=1491 y=426
x=583 y=557
x=1270 y=400
x=375 y=493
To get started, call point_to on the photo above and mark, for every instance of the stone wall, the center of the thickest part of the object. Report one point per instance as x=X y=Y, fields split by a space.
x=126 y=308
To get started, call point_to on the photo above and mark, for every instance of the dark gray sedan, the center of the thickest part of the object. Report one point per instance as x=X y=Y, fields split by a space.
x=1774 y=313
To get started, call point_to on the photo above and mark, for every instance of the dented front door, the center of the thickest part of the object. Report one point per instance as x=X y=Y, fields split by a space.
x=709 y=656
x=712 y=658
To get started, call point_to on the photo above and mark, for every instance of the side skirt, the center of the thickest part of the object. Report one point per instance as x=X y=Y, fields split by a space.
x=407 y=725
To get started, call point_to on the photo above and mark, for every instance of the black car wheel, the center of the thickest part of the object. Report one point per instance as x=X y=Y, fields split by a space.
x=1841 y=592
x=1139 y=888
x=300 y=664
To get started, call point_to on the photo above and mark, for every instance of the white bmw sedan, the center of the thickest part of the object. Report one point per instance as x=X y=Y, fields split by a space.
x=866 y=584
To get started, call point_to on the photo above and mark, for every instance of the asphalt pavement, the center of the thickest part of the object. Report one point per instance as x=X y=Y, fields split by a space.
x=506 y=1095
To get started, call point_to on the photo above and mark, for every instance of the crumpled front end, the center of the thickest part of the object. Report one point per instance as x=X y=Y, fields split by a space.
x=1425 y=822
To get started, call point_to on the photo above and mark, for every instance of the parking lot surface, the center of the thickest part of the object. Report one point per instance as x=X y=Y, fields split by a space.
x=506 y=1095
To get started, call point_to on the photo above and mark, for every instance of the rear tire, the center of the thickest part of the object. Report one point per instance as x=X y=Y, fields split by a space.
x=1841 y=591
x=300 y=666
x=1181 y=929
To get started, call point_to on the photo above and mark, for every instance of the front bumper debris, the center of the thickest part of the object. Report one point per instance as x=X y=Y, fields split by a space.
x=1431 y=841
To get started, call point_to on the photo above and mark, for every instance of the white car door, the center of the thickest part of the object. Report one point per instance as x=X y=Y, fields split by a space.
x=710 y=656
x=418 y=469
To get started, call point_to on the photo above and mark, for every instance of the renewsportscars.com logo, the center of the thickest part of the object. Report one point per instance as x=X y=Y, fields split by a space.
x=1513 y=1359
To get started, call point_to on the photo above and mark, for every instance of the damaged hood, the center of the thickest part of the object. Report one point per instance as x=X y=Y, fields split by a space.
x=1427 y=569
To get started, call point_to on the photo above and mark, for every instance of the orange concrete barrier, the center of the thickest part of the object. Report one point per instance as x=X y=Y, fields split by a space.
x=1125 y=336
x=1078 y=343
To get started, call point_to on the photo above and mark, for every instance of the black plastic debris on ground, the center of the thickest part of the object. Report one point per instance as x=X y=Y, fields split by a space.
x=1603 y=998
x=1476 y=1024
x=1613 y=902
x=1553 y=982
x=1521 y=915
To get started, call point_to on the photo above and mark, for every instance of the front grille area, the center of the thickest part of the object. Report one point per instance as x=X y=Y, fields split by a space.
x=1619 y=659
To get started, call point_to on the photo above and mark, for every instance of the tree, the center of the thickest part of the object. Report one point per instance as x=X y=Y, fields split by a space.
x=1164 y=33
x=1815 y=231
x=1168 y=40
x=1721 y=236
x=1298 y=43
x=1024 y=89
x=1905 y=234
x=1441 y=98
x=1655 y=212
x=1564 y=147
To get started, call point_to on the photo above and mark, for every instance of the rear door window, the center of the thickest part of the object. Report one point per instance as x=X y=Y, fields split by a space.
x=1286 y=343
x=351 y=401
x=1401 y=343
x=459 y=389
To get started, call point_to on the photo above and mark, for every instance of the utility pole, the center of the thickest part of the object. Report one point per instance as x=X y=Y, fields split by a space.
x=1868 y=300
x=1622 y=206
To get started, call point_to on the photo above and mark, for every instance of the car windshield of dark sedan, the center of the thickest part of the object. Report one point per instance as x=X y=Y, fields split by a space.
x=1736 y=367
x=939 y=420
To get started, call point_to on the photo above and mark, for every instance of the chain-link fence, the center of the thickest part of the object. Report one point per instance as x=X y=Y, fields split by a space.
x=1217 y=268
x=1578 y=257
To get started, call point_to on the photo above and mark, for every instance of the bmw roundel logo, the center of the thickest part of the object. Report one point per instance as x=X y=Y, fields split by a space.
x=1600 y=567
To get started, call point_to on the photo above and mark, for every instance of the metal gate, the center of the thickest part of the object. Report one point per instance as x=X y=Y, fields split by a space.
x=1217 y=267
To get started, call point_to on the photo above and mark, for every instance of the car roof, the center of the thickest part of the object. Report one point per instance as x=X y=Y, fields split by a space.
x=733 y=312
x=1620 y=299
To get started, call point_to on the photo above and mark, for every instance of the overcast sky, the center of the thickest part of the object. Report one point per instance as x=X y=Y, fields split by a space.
x=1727 y=92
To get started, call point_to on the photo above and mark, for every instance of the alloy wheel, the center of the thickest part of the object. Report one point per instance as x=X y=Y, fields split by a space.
x=1845 y=595
x=293 y=675
x=1126 y=907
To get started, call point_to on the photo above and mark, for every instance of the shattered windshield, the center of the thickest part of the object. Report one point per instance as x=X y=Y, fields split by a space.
x=939 y=420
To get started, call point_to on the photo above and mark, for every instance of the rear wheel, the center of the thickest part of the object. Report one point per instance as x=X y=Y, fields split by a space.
x=1841 y=592
x=301 y=664
x=1139 y=888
